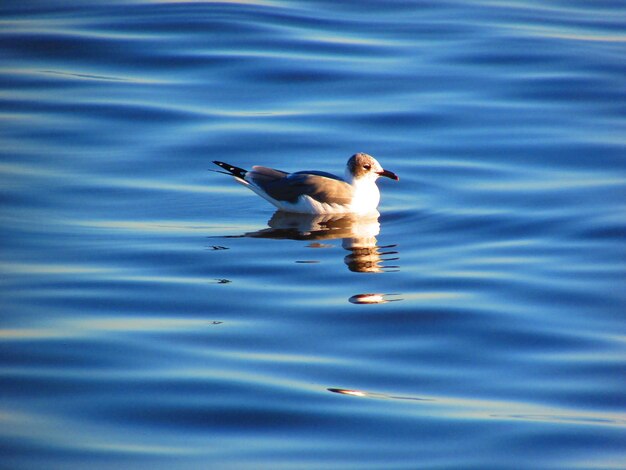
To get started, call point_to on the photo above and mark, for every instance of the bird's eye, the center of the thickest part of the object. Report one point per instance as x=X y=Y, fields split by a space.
x=367 y=166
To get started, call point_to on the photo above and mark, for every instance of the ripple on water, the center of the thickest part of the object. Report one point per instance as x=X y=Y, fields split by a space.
x=154 y=313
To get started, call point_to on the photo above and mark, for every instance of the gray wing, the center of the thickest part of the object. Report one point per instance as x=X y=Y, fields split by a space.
x=320 y=186
x=319 y=173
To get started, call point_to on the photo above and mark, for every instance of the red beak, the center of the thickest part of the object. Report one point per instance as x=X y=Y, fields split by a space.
x=389 y=174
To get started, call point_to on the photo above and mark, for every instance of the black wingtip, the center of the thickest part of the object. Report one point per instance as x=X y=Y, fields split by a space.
x=231 y=169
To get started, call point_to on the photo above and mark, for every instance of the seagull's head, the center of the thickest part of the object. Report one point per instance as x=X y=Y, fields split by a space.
x=363 y=166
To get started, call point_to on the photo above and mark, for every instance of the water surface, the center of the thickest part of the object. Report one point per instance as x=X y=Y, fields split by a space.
x=157 y=315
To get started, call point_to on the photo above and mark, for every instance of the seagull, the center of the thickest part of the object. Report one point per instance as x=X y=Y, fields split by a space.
x=317 y=192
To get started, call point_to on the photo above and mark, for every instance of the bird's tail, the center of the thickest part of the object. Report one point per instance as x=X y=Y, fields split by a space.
x=231 y=170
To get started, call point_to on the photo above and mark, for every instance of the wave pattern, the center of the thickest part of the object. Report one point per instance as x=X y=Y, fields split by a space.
x=155 y=314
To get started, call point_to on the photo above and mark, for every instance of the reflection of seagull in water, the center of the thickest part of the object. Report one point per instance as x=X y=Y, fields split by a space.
x=358 y=236
x=317 y=192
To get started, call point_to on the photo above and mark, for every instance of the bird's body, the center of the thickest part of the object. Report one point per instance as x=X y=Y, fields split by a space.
x=317 y=192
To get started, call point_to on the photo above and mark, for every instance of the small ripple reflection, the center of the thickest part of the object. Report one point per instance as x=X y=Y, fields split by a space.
x=361 y=393
x=369 y=299
x=469 y=408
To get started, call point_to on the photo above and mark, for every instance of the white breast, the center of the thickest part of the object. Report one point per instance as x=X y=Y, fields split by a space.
x=366 y=197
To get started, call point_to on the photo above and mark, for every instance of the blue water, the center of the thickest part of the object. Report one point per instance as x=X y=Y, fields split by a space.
x=157 y=315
